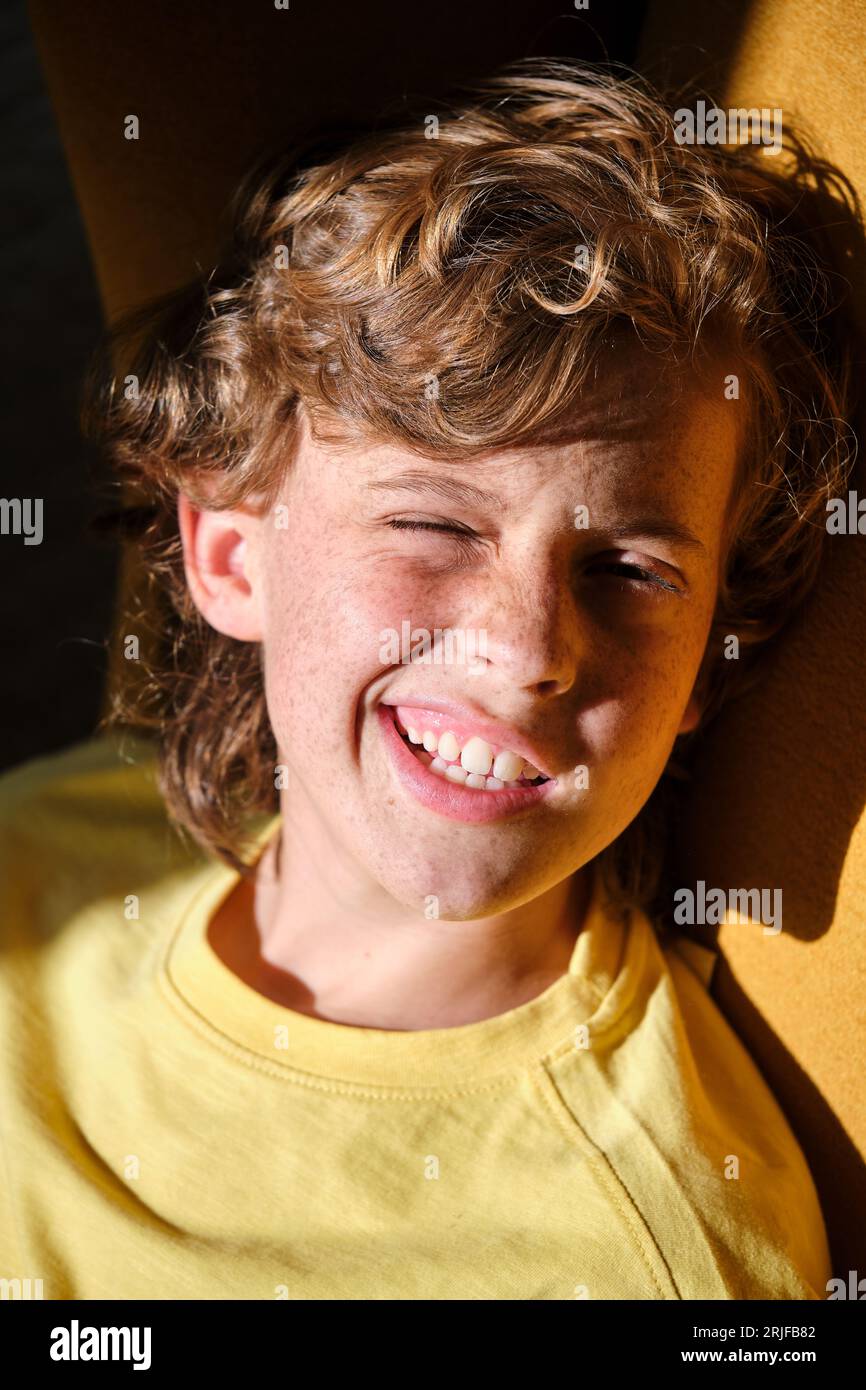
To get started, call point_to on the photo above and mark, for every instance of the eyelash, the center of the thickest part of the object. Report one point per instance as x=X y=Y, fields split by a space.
x=402 y=523
x=466 y=538
x=647 y=577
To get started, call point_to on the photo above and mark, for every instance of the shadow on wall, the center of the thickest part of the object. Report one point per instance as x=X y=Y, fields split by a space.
x=779 y=784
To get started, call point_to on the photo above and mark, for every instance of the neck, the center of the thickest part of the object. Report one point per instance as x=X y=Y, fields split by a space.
x=313 y=934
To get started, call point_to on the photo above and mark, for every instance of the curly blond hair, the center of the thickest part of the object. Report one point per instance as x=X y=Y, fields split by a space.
x=442 y=248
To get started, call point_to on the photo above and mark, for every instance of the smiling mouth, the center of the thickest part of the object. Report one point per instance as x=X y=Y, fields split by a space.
x=477 y=765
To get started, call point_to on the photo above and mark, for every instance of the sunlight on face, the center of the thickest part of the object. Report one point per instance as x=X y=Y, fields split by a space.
x=591 y=569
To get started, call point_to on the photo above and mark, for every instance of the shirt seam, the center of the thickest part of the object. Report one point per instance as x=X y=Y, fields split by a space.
x=608 y=1178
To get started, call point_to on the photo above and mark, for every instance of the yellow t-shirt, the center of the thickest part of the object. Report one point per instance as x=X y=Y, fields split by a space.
x=169 y=1133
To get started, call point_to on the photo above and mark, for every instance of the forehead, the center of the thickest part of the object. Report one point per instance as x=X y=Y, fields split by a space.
x=642 y=426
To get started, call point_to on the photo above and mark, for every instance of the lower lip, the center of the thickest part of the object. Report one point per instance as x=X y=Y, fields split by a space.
x=450 y=798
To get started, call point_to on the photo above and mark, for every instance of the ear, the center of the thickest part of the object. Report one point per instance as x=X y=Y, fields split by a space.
x=694 y=710
x=691 y=715
x=218 y=561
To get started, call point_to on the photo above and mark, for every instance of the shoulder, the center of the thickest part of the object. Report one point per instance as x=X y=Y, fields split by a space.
x=668 y=1093
x=80 y=776
x=78 y=826
x=769 y=1215
x=116 y=763
x=93 y=879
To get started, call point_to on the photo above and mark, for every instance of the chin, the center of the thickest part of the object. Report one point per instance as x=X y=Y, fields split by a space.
x=459 y=902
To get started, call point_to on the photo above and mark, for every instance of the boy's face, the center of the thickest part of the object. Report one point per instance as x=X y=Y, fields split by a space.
x=586 y=663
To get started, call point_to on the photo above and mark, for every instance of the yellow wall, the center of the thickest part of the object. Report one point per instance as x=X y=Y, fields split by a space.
x=779 y=795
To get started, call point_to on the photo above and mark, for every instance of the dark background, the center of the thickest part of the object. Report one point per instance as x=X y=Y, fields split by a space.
x=56 y=599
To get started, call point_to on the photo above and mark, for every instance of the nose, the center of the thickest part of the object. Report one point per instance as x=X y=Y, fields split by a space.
x=530 y=624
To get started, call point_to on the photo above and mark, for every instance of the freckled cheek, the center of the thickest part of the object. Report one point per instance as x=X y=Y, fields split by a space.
x=384 y=597
x=370 y=602
x=324 y=619
x=634 y=714
x=303 y=669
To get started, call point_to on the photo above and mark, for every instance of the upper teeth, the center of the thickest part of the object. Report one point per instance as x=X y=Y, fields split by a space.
x=476 y=756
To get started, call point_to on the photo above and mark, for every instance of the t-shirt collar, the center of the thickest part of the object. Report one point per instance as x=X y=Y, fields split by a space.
x=299 y=1047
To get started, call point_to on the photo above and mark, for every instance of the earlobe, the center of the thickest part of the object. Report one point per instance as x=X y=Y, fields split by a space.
x=691 y=715
x=694 y=710
x=218 y=568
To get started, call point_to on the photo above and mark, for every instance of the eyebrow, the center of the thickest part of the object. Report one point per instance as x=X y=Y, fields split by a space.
x=450 y=488
x=454 y=490
x=661 y=530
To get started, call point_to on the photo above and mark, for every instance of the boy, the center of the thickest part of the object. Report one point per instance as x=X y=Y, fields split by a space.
x=399 y=1023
